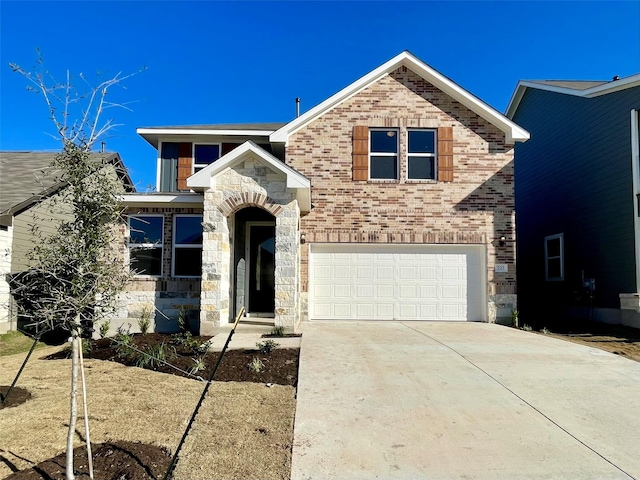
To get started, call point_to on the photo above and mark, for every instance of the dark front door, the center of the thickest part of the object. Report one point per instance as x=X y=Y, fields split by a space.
x=262 y=263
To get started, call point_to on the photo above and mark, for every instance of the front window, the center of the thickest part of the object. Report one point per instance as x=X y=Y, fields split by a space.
x=205 y=154
x=145 y=244
x=554 y=257
x=421 y=160
x=383 y=156
x=187 y=246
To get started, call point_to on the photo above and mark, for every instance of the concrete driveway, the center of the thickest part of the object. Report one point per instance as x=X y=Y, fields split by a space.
x=461 y=401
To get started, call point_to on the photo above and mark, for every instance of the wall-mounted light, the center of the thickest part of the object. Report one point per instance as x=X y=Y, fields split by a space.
x=503 y=239
x=303 y=239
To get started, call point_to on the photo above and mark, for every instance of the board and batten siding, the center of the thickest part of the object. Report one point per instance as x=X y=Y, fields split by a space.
x=574 y=177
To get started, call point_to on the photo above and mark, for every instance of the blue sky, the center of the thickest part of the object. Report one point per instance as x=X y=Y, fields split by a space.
x=234 y=62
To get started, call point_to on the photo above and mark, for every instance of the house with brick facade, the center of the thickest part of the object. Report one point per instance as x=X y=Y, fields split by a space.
x=391 y=200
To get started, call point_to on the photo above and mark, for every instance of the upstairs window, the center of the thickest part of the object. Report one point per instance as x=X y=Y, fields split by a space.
x=421 y=160
x=383 y=154
x=204 y=154
x=145 y=244
x=187 y=246
x=554 y=257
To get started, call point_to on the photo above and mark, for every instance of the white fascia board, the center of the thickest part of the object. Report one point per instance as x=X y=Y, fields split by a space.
x=188 y=131
x=153 y=199
x=202 y=179
x=604 y=89
x=512 y=131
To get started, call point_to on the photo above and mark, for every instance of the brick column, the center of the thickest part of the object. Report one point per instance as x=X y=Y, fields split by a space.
x=287 y=285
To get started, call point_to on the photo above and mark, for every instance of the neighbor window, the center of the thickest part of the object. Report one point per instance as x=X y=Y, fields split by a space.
x=554 y=257
x=187 y=246
x=383 y=154
x=421 y=157
x=205 y=154
x=145 y=244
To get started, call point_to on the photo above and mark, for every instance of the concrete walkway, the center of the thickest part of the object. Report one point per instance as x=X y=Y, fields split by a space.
x=461 y=401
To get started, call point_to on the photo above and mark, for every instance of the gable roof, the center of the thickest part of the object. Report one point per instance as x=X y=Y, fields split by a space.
x=579 y=88
x=295 y=180
x=26 y=177
x=513 y=132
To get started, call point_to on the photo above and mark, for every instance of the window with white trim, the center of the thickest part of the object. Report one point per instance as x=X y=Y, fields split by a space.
x=421 y=155
x=145 y=244
x=554 y=257
x=187 y=246
x=383 y=154
x=205 y=154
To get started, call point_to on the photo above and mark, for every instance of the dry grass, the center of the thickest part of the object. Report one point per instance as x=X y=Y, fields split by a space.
x=243 y=430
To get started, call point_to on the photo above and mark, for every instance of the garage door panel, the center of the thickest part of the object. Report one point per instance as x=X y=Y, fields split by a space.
x=387 y=282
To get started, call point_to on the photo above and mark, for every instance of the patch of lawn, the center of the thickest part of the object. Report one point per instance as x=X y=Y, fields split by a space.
x=15 y=342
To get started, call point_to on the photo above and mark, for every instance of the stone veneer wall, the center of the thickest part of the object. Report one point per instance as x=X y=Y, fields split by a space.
x=476 y=208
x=249 y=183
x=6 y=240
x=165 y=293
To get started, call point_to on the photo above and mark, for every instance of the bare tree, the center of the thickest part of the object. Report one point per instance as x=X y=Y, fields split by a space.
x=75 y=275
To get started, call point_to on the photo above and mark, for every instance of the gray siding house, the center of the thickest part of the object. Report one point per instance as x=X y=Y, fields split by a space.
x=577 y=186
x=27 y=189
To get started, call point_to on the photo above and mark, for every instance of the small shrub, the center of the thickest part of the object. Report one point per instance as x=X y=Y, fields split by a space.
x=256 y=365
x=277 y=331
x=195 y=346
x=183 y=320
x=546 y=331
x=267 y=346
x=104 y=328
x=144 y=322
x=87 y=347
x=124 y=343
x=156 y=355
x=526 y=328
x=514 y=317
x=198 y=365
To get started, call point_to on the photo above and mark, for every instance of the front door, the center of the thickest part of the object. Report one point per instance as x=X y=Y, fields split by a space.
x=261 y=256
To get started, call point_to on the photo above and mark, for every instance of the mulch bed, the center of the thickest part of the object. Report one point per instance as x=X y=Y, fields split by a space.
x=111 y=461
x=280 y=366
x=18 y=396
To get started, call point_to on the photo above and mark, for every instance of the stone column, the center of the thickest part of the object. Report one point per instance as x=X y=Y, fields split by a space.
x=216 y=259
x=287 y=286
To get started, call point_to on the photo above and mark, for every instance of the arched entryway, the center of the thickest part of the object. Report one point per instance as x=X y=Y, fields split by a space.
x=254 y=262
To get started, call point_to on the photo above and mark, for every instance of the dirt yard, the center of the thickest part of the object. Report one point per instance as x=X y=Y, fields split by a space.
x=623 y=341
x=244 y=428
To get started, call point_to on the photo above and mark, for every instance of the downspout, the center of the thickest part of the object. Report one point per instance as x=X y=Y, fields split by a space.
x=635 y=172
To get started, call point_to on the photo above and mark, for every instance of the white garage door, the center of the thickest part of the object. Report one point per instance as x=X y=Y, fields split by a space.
x=396 y=282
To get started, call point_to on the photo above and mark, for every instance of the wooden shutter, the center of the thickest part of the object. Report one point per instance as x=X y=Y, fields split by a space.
x=185 y=165
x=360 y=153
x=445 y=154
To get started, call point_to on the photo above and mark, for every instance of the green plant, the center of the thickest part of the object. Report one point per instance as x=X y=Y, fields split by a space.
x=256 y=365
x=144 y=322
x=194 y=345
x=514 y=317
x=155 y=356
x=198 y=365
x=546 y=331
x=124 y=342
x=526 y=328
x=183 y=320
x=277 y=331
x=87 y=347
x=105 y=326
x=267 y=346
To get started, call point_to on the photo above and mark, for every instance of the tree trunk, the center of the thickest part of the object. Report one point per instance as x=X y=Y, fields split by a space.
x=74 y=404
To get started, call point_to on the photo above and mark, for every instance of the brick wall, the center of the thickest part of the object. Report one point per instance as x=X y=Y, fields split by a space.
x=477 y=207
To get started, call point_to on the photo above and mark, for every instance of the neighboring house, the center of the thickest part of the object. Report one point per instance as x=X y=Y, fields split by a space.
x=27 y=189
x=577 y=194
x=391 y=200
